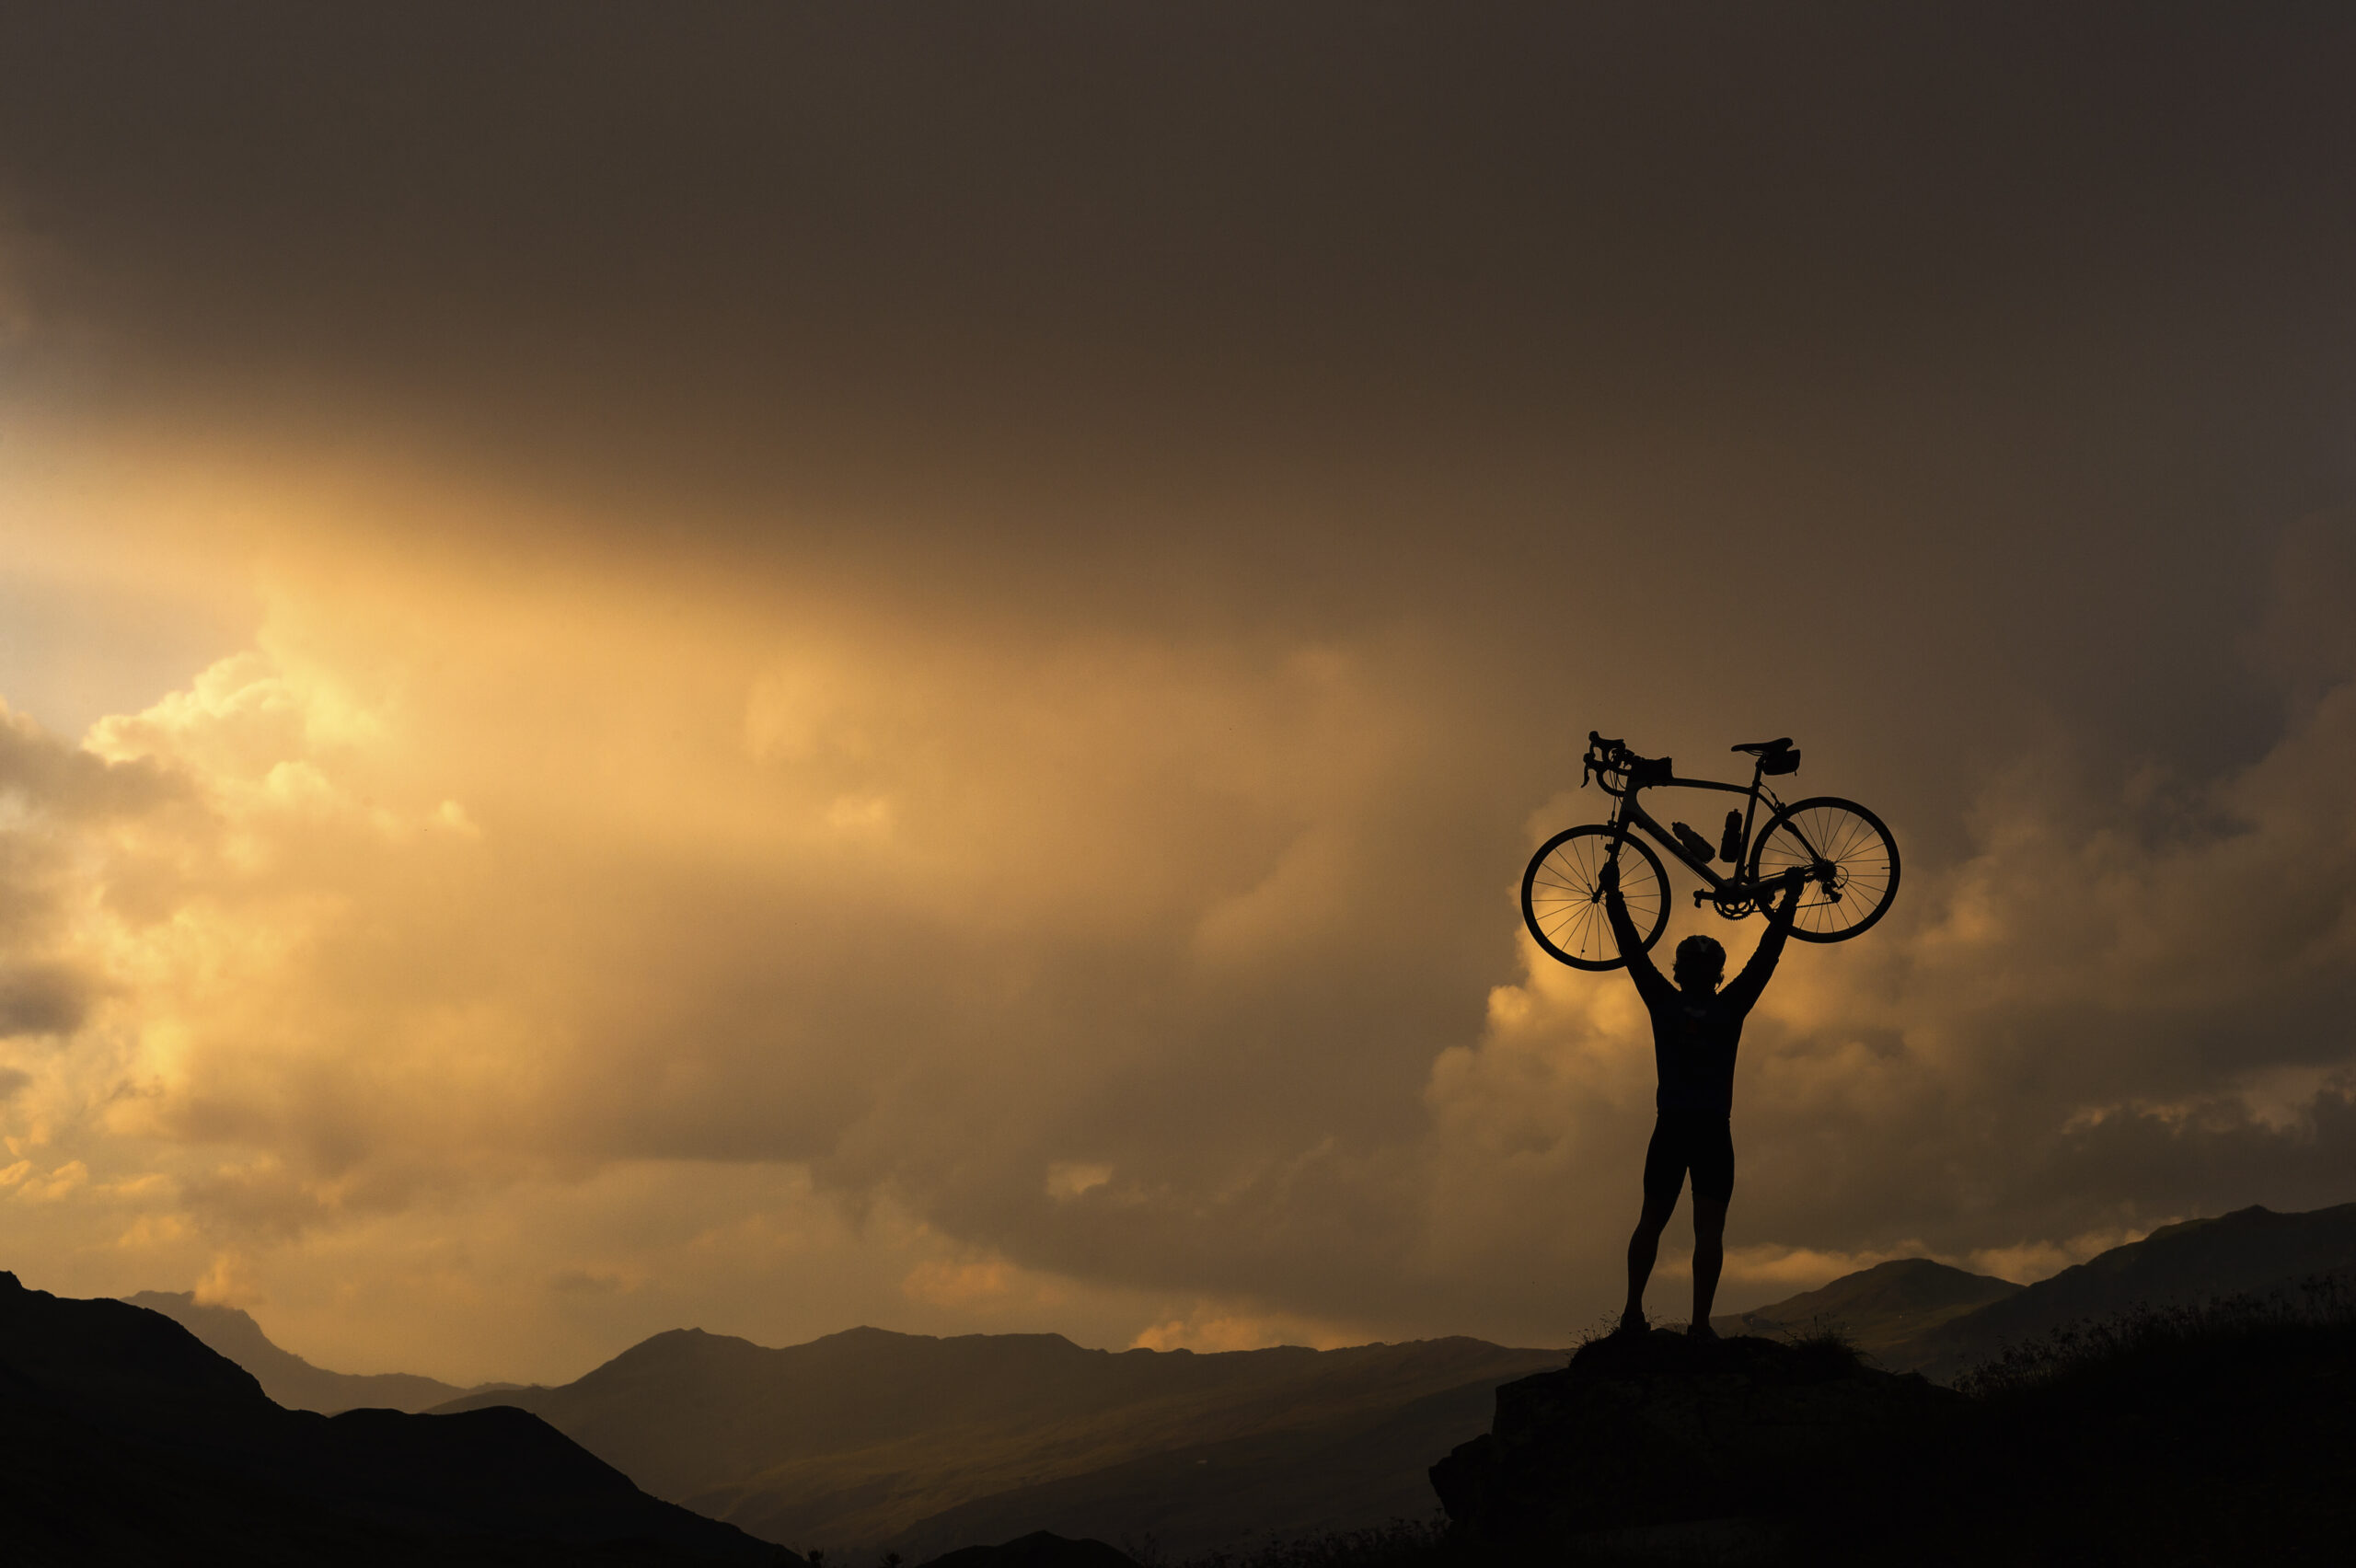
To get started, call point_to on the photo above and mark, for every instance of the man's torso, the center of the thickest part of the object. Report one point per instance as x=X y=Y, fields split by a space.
x=1693 y=1050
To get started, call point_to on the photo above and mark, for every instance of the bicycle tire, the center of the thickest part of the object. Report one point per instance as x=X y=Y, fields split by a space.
x=1827 y=830
x=1564 y=909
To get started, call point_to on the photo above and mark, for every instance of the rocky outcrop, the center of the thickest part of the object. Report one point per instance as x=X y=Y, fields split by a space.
x=1648 y=1431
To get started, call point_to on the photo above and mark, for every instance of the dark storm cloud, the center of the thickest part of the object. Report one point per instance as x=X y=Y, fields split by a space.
x=42 y=999
x=1168 y=223
x=1692 y=326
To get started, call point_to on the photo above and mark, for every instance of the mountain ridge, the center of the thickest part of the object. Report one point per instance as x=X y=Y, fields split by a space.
x=124 y=1438
x=2252 y=1249
x=1879 y=1308
x=289 y=1380
x=857 y=1438
x=1943 y=1331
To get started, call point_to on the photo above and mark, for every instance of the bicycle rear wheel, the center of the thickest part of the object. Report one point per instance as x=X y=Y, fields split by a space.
x=1564 y=907
x=1850 y=857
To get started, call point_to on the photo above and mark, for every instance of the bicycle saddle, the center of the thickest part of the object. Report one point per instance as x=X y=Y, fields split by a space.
x=1761 y=748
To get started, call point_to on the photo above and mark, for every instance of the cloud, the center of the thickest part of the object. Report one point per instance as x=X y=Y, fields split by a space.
x=42 y=999
x=27 y=1186
x=593 y=1281
x=958 y=1285
x=2034 y=1261
x=229 y=1282
x=1211 y=1327
x=1174 y=972
x=934 y=663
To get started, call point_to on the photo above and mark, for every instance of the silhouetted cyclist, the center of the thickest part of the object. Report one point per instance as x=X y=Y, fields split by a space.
x=1696 y=1028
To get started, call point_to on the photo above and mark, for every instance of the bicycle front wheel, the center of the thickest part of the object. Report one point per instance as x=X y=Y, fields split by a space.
x=1848 y=857
x=1563 y=905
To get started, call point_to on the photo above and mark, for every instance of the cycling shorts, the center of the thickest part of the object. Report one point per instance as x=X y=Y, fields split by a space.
x=1699 y=1141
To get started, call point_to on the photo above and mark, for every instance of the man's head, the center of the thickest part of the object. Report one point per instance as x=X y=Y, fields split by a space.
x=1701 y=964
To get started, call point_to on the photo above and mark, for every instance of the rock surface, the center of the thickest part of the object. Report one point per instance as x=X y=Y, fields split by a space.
x=1660 y=1429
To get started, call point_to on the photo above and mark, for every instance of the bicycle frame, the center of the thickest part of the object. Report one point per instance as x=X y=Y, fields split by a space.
x=1732 y=888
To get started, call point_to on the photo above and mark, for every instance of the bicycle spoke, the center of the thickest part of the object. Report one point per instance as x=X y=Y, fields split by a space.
x=1563 y=901
x=1850 y=866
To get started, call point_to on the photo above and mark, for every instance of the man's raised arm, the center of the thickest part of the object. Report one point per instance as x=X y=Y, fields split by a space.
x=1749 y=984
x=1651 y=981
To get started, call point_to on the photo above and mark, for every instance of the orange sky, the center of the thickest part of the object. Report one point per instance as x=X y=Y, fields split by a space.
x=782 y=669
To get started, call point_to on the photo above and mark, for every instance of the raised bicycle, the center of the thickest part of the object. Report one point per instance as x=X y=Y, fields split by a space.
x=1847 y=859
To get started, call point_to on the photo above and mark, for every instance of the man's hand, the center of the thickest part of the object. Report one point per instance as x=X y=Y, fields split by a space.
x=1608 y=879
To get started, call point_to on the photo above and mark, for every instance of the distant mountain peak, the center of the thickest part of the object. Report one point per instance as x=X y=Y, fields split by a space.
x=285 y=1376
x=1877 y=1308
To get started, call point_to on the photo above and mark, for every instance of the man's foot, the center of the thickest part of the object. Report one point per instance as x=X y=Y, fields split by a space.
x=1701 y=1331
x=1632 y=1323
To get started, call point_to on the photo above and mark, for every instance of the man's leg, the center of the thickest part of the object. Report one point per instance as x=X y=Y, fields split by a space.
x=1664 y=1175
x=1709 y=1258
x=1642 y=1248
x=1712 y=1156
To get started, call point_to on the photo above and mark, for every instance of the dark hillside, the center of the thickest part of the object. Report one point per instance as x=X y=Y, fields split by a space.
x=1913 y=1314
x=1302 y=1481
x=127 y=1440
x=2228 y=1436
x=851 y=1440
x=2251 y=1250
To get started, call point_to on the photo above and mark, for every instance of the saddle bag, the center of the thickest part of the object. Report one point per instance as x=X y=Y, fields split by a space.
x=1781 y=762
